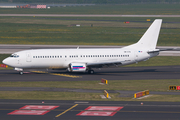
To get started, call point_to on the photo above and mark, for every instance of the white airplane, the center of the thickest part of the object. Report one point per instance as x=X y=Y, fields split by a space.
x=82 y=60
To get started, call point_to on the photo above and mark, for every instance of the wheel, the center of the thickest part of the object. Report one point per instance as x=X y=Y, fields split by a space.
x=91 y=71
x=21 y=72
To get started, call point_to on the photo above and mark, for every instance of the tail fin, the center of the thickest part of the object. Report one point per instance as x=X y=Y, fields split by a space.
x=150 y=37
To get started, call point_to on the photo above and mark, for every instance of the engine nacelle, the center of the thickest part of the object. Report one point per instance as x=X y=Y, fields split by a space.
x=77 y=67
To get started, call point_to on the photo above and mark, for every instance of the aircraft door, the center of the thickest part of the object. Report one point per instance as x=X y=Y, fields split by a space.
x=28 y=57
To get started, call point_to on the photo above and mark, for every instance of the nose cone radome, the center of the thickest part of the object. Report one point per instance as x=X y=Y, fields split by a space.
x=4 y=61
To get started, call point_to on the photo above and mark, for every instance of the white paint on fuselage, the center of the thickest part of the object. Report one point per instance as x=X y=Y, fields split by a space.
x=61 y=58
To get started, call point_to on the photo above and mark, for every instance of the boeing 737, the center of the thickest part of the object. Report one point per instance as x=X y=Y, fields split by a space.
x=84 y=60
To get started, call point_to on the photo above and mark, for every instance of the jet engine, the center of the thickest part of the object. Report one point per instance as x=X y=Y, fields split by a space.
x=77 y=67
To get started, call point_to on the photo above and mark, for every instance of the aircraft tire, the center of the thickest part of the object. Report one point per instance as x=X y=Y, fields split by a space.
x=91 y=71
x=21 y=72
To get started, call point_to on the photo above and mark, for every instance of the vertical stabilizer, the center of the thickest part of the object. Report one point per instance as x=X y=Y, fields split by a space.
x=150 y=37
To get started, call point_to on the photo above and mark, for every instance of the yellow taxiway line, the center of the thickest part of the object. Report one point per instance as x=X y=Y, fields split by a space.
x=67 y=110
x=65 y=75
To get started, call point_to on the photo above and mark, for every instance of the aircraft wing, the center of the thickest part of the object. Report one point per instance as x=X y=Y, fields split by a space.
x=103 y=64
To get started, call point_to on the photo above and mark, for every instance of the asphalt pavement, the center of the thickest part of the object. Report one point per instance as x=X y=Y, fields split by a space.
x=88 y=110
x=119 y=73
x=97 y=110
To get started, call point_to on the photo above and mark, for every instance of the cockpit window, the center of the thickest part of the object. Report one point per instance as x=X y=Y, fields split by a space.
x=14 y=55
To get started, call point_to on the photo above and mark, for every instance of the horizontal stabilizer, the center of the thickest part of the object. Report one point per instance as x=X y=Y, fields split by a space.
x=169 y=49
x=153 y=51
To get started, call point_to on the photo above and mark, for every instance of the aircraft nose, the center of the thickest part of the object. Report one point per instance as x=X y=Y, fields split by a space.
x=5 y=61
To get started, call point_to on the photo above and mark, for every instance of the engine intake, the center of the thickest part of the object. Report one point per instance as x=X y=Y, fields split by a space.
x=77 y=67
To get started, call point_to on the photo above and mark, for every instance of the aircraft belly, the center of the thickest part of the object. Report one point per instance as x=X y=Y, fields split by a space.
x=46 y=64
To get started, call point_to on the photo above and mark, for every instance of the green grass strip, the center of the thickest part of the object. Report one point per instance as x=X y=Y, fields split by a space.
x=132 y=85
x=62 y=31
x=39 y=95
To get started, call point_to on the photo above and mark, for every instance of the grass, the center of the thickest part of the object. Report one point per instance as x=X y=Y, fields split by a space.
x=105 y=31
x=141 y=9
x=38 y=95
x=58 y=31
x=131 y=85
x=134 y=85
x=158 y=61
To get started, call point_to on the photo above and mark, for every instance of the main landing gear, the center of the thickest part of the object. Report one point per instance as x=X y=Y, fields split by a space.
x=91 y=71
x=21 y=72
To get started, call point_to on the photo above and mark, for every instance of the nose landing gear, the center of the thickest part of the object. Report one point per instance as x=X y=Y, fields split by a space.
x=20 y=70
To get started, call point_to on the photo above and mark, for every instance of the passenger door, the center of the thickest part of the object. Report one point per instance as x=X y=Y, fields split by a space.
x=28 y=57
